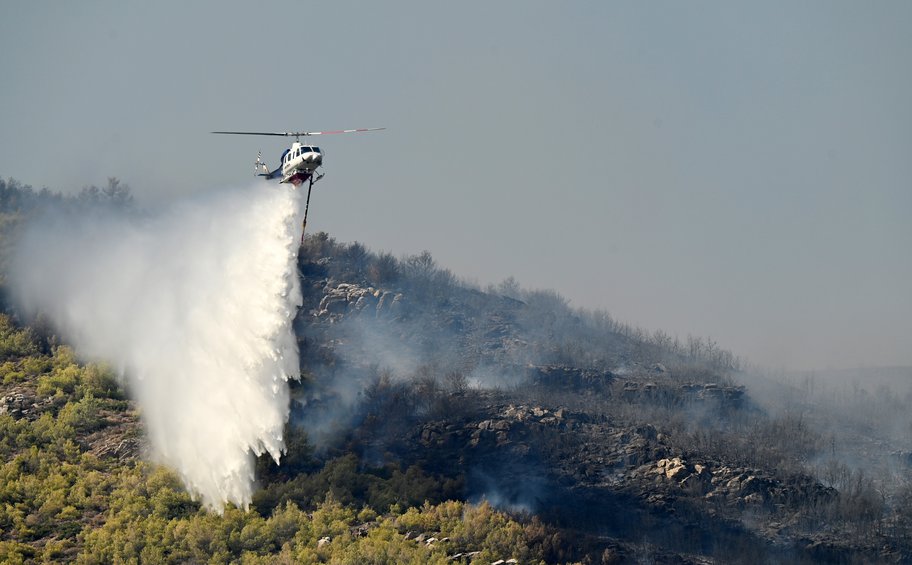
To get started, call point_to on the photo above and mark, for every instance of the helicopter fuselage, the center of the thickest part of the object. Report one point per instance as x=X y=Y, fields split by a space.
x=299 y=163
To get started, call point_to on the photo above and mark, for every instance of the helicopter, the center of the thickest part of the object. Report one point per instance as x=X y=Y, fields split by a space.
x=298 y=164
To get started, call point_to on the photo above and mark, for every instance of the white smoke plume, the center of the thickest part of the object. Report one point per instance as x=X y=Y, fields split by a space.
x=195 y=306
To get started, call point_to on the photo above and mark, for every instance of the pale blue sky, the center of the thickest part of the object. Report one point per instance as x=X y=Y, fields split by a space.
x=738 y=170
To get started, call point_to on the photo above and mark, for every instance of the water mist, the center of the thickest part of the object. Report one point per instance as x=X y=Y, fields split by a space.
x=194 y=305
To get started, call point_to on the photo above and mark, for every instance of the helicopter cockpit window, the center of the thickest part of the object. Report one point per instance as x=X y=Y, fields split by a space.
x=315 y=149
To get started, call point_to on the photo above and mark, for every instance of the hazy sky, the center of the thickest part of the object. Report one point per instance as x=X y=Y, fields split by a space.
x=726 y=169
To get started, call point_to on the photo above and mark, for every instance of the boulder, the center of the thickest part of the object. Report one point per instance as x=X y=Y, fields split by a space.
x=20 y=403
x=676 y=473
x=674 y=468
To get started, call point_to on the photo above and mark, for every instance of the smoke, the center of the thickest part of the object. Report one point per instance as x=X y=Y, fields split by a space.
x=519 y=487
x=194 y=305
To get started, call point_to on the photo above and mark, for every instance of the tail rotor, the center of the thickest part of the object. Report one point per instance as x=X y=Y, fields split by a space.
x=259 y=164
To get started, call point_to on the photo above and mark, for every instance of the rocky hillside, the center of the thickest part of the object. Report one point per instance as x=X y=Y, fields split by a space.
x=631 y=445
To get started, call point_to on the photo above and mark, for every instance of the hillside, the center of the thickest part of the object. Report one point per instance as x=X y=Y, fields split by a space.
x=629 y=440
x=438 y=422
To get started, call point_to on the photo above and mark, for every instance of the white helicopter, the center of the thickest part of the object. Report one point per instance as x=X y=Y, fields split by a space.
x=299 y=163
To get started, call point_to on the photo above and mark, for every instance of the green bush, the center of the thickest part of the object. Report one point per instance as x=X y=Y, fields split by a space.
x=61 y=381
x=15 y=342
x=83 y=416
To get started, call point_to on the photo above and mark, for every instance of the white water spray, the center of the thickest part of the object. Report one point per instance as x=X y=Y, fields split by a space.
x=195 y=305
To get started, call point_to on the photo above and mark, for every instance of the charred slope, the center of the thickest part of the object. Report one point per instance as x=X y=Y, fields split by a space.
x=633 y=443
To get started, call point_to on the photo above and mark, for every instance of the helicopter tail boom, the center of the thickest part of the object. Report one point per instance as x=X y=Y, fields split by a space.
x=260 y=168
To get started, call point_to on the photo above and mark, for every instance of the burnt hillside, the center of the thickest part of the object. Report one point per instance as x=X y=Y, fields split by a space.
x=631 y=443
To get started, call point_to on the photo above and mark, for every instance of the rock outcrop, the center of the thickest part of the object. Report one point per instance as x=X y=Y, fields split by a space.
x=351 y=299
x=22 y=402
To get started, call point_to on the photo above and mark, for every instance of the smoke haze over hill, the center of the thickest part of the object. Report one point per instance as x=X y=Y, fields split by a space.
x=194 y=305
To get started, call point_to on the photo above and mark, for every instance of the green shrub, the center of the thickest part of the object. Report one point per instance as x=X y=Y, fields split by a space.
x=83 y=416
x=15 y=342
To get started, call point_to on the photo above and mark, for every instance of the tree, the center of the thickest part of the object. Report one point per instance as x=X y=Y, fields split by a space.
x=115 y=195
x=384 y=269
x=358 y=257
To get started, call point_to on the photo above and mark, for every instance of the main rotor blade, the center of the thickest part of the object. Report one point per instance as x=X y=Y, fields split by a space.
x=253 y=133
x=297 y=133
x=337 y=131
